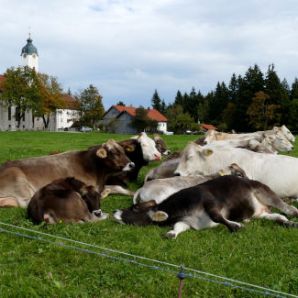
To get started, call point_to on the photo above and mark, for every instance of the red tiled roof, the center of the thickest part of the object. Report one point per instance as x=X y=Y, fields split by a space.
x=130 y=110
x=156 y=115
x=153 y=114
x=208 y=126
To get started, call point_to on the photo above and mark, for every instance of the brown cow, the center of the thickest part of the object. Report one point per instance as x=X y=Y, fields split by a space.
x=20 y=179
x=67 y=200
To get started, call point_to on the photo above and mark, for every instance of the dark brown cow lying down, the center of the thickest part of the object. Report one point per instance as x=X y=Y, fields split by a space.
x=20 y=179
x=228 y=200
x=66 y=200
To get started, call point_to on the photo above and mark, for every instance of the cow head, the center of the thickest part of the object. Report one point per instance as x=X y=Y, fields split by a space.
x=141 y=214
x=279 y=142
x=190 y=160
x=161 y=145
x=234 y=170
x=113 y=156
x=148 y=146
x=88 y=193
x=286 y=132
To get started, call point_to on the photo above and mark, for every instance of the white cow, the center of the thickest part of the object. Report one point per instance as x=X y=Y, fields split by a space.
x=279 y=172
x=160 y=189
x=281 y=132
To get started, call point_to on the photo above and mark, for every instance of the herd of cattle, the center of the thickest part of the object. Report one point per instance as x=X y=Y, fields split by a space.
x=219 y=179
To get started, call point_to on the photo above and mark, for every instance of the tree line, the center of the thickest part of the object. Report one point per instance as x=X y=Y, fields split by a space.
x=255 y=101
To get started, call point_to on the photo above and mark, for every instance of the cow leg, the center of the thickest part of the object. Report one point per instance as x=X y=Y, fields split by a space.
x=8 y=202
x=179 y=227
x=269 y=198
x=279 y=218
x=217 y=217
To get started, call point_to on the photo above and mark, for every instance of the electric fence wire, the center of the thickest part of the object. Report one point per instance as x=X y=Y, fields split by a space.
x=197 y=274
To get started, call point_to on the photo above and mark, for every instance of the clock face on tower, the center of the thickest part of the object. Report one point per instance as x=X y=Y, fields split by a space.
x=25 y=55
x=34 y=56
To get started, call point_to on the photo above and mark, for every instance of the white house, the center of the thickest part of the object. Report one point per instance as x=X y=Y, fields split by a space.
x=59 y=120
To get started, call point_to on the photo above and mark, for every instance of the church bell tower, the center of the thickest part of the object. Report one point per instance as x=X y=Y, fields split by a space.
x=30 y=55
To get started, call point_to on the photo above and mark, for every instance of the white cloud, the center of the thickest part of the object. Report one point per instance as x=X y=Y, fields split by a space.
x=130 y=48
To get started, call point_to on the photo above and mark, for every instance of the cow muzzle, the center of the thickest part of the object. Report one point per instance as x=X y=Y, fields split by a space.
x=129 y=167
x=118 y=216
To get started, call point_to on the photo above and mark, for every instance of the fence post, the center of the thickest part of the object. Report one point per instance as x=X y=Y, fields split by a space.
x=181 y=276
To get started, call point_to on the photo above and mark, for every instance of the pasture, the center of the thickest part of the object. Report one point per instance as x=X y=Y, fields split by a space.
x=262 y=253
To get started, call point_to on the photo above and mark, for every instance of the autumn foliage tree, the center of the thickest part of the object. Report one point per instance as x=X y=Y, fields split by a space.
x=27 y=90
x=262 y=113
x=50 y=97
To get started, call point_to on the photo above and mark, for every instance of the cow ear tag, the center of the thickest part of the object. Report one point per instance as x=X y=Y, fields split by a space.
x=158 y=216
x=221 y=173
x=207 y=152
x=101 y=153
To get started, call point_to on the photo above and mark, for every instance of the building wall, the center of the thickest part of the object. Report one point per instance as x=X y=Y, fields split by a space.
x=59 y=120
x=11 y=124
x=122 y=125
x=109 y=117
x=162 y=126
x=30 y=61
x=64 y=118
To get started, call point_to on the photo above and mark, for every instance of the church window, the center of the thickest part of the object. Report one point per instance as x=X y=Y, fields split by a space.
x=9 y=113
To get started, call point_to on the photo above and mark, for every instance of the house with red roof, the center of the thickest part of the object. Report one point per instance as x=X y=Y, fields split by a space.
x=118 y=119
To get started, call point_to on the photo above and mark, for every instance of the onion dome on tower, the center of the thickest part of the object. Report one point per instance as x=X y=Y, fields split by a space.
x=30 y=54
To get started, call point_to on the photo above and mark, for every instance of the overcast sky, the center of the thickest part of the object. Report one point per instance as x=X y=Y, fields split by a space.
x=129 y=48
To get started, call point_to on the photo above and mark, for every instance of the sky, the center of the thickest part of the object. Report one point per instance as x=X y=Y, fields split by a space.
x=129 y=48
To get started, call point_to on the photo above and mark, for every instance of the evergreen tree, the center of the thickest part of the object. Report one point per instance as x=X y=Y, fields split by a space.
x=163 y=108
x=120 y=103
x=156 y=101
x=294 y=90
x=178 y=99
x=249 y=85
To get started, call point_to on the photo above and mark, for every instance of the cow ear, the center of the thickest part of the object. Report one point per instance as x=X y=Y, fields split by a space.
x=102 y=153
x=207 y=152
x=276 y=129
x=158 y=216
x=130 y=148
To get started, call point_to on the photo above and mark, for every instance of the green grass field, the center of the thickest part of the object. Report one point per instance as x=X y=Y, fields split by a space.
x=262 y=253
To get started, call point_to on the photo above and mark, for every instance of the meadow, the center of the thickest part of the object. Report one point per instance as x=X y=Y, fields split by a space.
x=262 y=253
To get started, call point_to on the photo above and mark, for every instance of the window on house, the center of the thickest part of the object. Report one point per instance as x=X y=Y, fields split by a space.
x=9 y=113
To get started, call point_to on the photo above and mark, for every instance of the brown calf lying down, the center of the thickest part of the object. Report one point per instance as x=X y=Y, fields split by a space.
x=20 y=179
x=66 y=200
x=226 y=200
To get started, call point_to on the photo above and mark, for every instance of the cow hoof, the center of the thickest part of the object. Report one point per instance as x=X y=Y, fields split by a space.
x=235 y=227
x=171 y=235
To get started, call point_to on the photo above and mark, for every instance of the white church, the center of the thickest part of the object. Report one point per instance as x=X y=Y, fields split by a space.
x=61 y=119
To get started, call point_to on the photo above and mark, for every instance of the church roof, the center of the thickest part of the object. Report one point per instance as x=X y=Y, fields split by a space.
x=29 y=48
